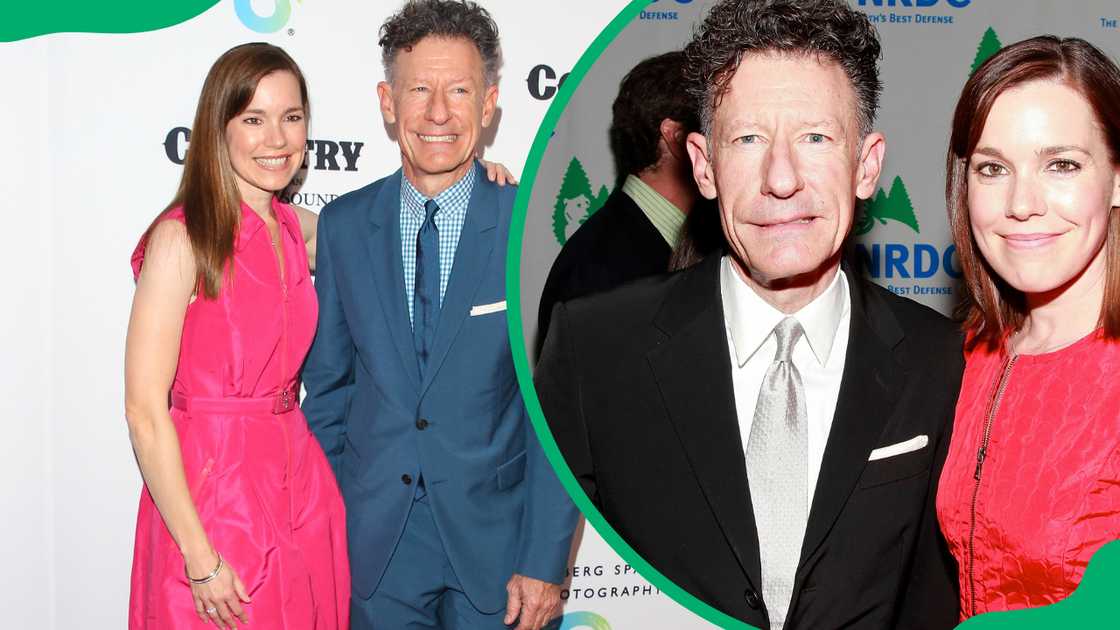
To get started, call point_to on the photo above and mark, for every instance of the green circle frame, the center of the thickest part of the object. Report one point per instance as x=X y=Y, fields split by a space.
x=1087 y=606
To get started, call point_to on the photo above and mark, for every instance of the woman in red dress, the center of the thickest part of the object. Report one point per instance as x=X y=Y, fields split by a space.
x=240 y=518
x=1031 y=486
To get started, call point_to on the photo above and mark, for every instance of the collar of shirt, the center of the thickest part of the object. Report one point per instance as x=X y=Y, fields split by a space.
x=661 y=212
x=452 y=201
x=751 y=320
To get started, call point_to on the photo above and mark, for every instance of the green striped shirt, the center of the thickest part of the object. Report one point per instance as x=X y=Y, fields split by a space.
x=664 y=216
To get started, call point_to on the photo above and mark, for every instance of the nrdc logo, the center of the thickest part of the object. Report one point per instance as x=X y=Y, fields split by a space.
x=900 y=260
x=282 y=10
x=913 y=260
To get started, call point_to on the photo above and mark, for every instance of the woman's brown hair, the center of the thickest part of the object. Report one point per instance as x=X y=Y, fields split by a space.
x=991 y=308
x=208 y=190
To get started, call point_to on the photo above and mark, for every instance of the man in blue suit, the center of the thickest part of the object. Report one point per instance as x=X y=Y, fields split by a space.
x=454 y=516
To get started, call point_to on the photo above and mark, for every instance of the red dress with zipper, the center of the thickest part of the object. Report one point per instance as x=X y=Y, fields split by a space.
x=1031 y=486
x=258 y=478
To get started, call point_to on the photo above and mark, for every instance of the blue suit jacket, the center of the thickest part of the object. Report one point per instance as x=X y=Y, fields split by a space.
x=498 y=505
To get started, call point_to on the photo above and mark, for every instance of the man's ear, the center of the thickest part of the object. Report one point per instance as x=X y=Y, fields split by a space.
x=385 y=95
x=871 y=154
x=697 y=146
x=673 y=136
x=489 y=104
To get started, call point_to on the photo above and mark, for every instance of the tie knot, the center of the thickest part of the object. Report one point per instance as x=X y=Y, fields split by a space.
x=788 y=332
x=430 y=209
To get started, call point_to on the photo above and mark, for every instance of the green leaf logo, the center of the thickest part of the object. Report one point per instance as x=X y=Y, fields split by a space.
x=989 y=45
x=575 y=202
x=892 y=206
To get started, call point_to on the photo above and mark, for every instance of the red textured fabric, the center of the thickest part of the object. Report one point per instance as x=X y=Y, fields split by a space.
x=1049 y=490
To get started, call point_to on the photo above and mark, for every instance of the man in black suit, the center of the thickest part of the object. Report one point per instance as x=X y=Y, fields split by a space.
x=766 y=428
x=634 y=233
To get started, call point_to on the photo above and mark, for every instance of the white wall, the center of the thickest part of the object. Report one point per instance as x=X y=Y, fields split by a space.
x=26 y=385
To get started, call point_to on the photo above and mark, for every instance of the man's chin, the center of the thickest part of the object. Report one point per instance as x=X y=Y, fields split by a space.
x=792 y=274
x=442 y=165
x=431 y=178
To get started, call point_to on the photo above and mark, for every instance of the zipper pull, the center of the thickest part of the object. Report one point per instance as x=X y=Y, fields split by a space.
x=981 y=454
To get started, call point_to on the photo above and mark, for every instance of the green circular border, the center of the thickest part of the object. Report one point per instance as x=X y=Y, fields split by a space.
x=517 y=335
x=1085 y=607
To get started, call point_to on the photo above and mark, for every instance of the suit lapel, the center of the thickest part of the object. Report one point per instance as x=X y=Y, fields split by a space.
x=869 y=391
x=387 y=271
x=476 y=243
x=693 y=372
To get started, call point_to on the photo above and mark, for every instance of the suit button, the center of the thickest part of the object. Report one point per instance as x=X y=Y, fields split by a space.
x=406 y=479
x=754 y=600
x=421 y=424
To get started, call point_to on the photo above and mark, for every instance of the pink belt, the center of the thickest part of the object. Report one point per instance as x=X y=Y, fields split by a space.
x=283 y=402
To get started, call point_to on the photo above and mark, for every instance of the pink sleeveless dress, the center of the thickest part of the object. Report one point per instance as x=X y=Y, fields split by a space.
x=262 y=486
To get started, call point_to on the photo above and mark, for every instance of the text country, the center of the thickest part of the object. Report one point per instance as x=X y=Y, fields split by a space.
x=322 y=155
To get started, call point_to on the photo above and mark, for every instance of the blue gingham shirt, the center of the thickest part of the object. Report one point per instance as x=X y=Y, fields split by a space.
x=449 y=221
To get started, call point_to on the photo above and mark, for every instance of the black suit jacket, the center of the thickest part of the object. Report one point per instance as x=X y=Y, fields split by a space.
x=615 y=245
x=636 y=386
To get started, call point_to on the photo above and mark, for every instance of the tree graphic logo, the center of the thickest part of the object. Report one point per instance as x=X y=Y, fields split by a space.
x=888 y=206
x=989 y=45
x=575 y=202
x=896 y=205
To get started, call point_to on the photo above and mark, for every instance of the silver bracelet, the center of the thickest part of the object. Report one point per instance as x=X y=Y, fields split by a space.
x=213 y=574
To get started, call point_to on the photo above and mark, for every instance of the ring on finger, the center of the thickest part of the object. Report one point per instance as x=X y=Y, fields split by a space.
x=211 y=611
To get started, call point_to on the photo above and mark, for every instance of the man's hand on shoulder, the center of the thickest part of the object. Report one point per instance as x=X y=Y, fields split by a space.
x=533 y=603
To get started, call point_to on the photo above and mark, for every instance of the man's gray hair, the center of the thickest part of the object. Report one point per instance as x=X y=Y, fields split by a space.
x=828 y=29
x=441 y=18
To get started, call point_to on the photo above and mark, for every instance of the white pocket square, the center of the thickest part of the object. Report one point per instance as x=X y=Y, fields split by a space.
x=913 y=444
x=486 y=309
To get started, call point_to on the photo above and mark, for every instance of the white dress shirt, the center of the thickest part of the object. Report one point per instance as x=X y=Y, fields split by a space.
x=750 y=337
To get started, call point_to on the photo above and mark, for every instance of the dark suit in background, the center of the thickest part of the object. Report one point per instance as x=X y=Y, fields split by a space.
x=643 y=410
x=617 y=244
x=650 y=119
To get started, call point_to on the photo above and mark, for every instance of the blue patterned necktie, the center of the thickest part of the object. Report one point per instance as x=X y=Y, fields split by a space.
x=425 y=298
x=777 y=456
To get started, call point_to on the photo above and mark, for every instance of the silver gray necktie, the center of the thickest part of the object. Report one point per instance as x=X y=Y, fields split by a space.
x=777 y=456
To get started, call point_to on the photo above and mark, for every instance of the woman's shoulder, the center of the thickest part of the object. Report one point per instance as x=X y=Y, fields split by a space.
x=168 y=231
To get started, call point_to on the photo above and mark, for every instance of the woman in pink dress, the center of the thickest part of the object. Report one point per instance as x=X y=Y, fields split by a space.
x=240 y=519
